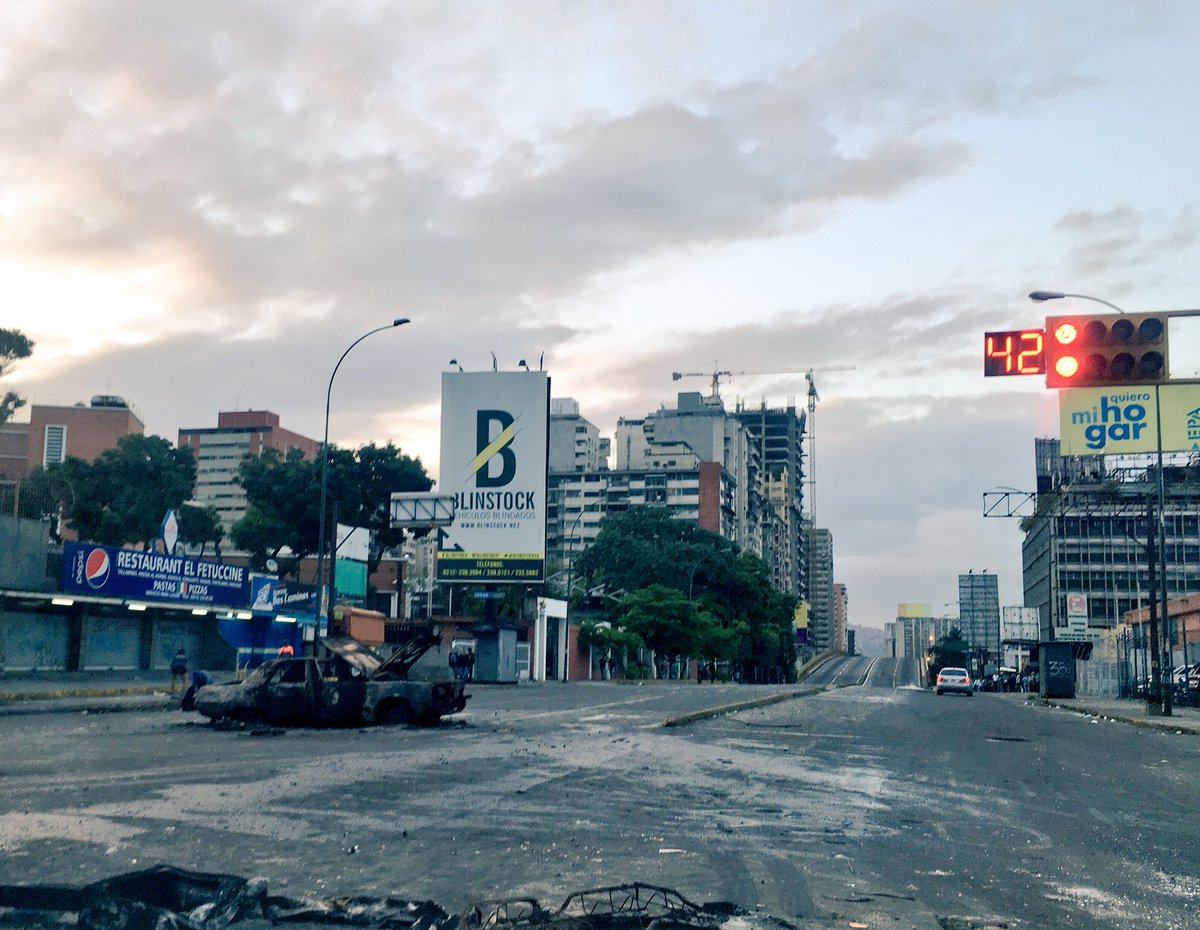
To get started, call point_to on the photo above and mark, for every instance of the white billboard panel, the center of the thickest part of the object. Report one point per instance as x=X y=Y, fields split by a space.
x=1019 y=625
x=495 y=429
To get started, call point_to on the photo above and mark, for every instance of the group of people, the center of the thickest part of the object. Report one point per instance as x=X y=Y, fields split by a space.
x=462 y=664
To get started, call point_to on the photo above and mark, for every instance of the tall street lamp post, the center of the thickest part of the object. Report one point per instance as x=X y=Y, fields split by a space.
x=324 y=601
x=569 y=552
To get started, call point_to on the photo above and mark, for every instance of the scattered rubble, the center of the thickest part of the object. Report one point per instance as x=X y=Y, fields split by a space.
x=167 y=898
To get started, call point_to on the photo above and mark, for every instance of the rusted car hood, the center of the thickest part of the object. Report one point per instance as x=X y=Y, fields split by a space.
x=397 y=665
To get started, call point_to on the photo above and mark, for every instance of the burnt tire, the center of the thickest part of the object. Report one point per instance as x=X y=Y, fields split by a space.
x=395 y=713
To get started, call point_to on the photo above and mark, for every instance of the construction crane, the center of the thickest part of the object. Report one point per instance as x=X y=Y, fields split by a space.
x=813 y=397
x=716 y=375
x=811 y=429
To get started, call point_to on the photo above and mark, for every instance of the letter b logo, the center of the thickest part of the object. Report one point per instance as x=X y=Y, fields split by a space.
x=493 y=449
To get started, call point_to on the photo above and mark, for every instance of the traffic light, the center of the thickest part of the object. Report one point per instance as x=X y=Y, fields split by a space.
x=1106 y=349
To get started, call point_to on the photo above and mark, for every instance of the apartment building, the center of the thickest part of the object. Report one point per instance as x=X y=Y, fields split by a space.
x=219 y=451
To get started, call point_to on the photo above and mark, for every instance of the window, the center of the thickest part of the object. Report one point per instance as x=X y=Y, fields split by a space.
x=55 y=449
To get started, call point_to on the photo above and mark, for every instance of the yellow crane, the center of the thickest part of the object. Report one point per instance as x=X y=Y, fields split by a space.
x=811 y=427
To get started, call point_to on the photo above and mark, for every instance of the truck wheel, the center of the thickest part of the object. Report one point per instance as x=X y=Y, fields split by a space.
x=397 y=712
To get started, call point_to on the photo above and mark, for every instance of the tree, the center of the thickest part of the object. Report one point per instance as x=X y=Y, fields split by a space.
x=646 y=546
x=284 y=510
x=718 y=642
x=663 y=619
x=199 y=526
x=123 y=495
x=603 y=637
x=14 y=345
x=950 y=651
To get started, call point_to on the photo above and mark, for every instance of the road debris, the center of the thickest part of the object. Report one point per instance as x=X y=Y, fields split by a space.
x=166 y=897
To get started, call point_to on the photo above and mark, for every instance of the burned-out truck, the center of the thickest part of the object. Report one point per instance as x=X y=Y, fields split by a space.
x=348 y=684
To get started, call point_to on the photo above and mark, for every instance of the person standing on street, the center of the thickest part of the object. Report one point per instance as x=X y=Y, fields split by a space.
x=179 y=667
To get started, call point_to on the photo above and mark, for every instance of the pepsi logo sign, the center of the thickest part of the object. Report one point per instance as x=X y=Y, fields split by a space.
x=97 y=569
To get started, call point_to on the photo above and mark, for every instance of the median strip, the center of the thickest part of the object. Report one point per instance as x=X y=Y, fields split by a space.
x=722 y=709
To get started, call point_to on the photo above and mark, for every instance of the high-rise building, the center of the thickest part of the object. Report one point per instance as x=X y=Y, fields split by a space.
x=778 y=435
x=575 y=443
x=820 y=589
x=979 y=618
x=1089 y=537
x=841 y=609
x=219 y=452
x=914 y=631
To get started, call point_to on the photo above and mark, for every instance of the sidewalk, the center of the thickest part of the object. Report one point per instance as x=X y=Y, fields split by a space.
x=1183 y=720
x=93 y=691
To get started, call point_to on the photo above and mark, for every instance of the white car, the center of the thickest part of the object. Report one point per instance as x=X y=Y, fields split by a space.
x=954 y=679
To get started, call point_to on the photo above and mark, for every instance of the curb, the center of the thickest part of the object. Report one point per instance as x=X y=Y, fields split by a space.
x=79 y=693
x=803 y=672
x=1146 y=723
x=721 y=710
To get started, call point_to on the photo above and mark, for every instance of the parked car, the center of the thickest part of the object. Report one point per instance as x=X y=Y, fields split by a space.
x=954 y=679
x=349 y=685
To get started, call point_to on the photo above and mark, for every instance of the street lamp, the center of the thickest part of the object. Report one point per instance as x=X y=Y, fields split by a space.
x=325 y=472
x=569 y=546
x=1041 y=296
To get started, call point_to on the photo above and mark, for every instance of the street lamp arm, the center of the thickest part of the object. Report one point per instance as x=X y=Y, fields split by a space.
x=329 y=390
x=1041 y=296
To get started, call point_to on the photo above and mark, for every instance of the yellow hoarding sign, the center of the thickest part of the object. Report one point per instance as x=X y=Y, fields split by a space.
x=1120 y=420
x=1180 y=405
x=800 y=616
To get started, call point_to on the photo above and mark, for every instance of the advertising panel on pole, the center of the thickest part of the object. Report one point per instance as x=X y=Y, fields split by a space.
x=1120 y=420
x=291 y=598
x=1077 y=619
x=495 y=430
x=1019 y=624
x=127 y=573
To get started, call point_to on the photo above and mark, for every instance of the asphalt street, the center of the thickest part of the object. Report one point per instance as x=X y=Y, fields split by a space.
x=860 y=798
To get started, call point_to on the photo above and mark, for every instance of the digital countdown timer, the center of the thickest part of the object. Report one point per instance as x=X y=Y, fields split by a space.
x=1014 y=352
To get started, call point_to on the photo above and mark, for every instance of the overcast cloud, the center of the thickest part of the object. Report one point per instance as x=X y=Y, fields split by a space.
x=203 y=204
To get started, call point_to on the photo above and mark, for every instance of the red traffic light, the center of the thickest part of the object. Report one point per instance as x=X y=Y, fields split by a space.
x=1106 y=349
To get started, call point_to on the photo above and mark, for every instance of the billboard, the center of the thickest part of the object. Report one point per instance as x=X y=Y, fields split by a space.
x=1119 y=420
x=1077 y=619
x=495 y=430
x=271 y=595
x=1019 y=625
x=127 y=573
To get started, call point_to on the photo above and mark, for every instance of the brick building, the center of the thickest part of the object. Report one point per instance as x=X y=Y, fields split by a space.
x=219 y=451
x=55 y=432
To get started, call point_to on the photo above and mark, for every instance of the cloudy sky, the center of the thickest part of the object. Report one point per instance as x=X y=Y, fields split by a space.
x=203 y=204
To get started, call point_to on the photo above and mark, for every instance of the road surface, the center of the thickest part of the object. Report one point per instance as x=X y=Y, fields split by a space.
x=869 y=801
